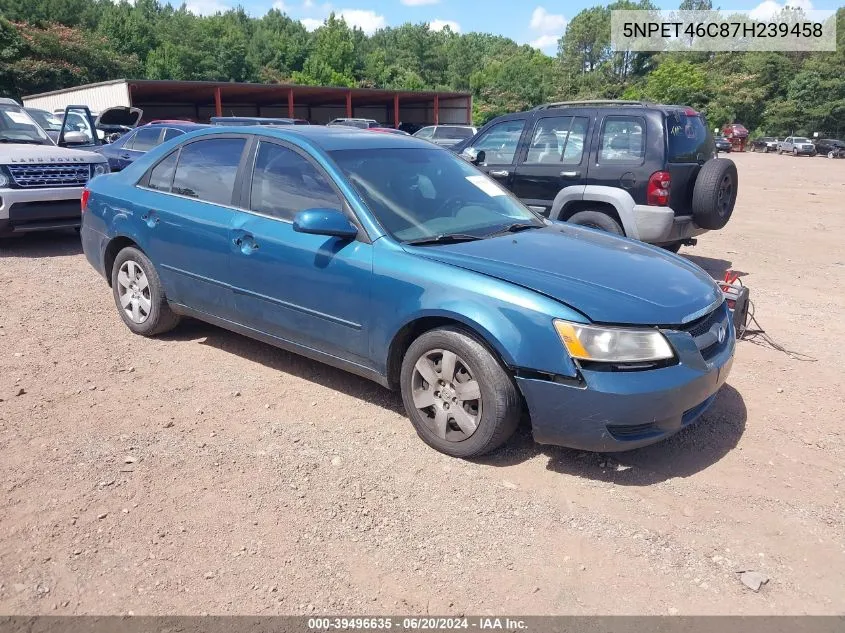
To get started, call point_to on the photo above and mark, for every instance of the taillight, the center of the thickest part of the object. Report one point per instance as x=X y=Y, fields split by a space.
x=85 y=195
x=658 y=189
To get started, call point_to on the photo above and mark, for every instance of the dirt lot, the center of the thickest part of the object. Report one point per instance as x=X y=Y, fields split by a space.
x=207 y=473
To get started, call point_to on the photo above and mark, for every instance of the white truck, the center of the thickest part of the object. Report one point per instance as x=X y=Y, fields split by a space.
x=41 y=181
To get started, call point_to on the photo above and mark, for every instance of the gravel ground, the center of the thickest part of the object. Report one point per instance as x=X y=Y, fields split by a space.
x=203 y=472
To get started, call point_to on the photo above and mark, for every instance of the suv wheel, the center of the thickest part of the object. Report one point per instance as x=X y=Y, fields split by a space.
x=139 y=296
x=459 y=398
x=714 y=195
x=794 y=152
x=597 y=220
x=831 y=155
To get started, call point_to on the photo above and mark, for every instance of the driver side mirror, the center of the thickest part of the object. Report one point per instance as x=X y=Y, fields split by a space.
x=87 y=135
x=473 y=156
x=330 y=222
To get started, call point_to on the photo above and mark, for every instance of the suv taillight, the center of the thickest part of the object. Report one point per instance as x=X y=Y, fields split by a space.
x=658 y=189
x=85 y=195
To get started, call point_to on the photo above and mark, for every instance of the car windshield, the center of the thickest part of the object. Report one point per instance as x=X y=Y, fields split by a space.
x=451 y=132
x=48 y=121
x=16 y=126
x=418 y=193
x=800 y=139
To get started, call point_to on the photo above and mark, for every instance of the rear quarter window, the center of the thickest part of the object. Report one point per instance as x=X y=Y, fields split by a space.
x=689 y=140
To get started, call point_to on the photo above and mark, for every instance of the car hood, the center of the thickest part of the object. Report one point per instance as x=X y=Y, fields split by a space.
x=11 y=154
x=606 y=278
x=119 y=116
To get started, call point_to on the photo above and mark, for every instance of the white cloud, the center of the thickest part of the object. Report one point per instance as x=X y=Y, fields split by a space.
x=311 y=24
x=769 y=8
x=308 y=4
x=439 y=25
x=207 y=7
x=546 y=43
x=548 y=23
x=418 y=3
x=367 y=21
x=280 y=6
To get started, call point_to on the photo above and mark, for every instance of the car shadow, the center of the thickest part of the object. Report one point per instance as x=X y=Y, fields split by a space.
x=41 y=244
x=692 y=450
x=191 y=330
x=715 y=267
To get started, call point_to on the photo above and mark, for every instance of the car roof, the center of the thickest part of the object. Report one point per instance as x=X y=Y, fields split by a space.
x=185 y=126
x=323 y=137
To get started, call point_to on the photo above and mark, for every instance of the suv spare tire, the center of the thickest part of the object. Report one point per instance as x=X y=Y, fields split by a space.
x=714 y=195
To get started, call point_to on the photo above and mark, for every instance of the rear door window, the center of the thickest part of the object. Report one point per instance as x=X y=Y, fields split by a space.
x=689 y=139
x=161 y=176
x=558 y=140
x=170 y=133
x=622 y=140
x=146 y=139
x=426 y=132
x=207 y=169
x=284 y=183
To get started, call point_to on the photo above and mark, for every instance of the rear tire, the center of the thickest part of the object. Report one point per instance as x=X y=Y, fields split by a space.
x=597 y=220
x=139 y=295
x=674 y=247
x=714 y=194
x=458 y=396
x=831 y=155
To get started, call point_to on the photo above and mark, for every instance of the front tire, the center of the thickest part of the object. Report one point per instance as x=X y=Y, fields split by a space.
x=597 y=220
x=458 y=396
x=831 y=155
x=139 y=295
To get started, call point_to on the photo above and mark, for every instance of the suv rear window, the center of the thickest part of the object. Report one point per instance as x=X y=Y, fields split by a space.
x=689 y=138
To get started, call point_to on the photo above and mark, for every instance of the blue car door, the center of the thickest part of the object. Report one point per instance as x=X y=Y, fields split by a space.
x=141 y=142
x=185 y=208
x=312 y=290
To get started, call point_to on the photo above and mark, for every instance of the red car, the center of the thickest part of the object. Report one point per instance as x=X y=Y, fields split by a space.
x=387 y=130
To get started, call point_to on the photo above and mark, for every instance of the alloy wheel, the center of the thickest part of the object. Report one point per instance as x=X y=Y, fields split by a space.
x=134 y=291
x=447 y=395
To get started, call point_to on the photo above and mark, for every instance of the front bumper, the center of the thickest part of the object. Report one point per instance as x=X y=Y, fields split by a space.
x=622 y=410
x=25 y=210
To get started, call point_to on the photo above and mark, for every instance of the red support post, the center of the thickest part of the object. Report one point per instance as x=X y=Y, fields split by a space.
x=290 y=103
x=436 y=109
x=396 y=111
x=349 y=105
x=218 y=101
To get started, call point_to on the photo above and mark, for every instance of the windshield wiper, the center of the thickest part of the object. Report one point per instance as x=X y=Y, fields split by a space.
x=21 y=140
x=514 y=228
x=443 y=238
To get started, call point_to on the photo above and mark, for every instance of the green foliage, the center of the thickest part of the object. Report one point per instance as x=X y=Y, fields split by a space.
x=50 y=44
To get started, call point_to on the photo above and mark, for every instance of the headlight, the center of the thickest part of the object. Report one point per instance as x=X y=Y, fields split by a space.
x=98 y=169
x=611 y=344
x=4 y=179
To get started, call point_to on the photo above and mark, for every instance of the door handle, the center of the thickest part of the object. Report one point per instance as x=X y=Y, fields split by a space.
x=150 y=218
x=499 y=173
x=246 y=243
x=125 y=156
x=570 y=174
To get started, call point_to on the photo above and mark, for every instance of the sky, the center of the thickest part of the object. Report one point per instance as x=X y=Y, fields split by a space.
x=539 y=24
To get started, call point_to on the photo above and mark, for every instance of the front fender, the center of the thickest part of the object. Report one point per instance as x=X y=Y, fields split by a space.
x=513 y=321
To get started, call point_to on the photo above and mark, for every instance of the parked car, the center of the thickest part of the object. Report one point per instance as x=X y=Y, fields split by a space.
x=446 y=135
x=110 y=124
x=388 y=130
x=362 y=124
x=254 y=120
x=830 y=147
x=765 y=144
x=48 y=121
x=40 y=182
x=129 y=147
x=398 y=261
x=797 y=146
x=637 y=169
x=722 y=144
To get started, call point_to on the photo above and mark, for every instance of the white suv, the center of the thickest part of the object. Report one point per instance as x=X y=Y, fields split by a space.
x=41 y=183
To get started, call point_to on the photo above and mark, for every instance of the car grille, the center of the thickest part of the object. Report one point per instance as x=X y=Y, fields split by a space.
x=50 y=175
x=702 y=330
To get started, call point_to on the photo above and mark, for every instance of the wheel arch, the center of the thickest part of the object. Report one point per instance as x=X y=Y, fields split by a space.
x=420 y=324
x=616 y=203
x=115 y=245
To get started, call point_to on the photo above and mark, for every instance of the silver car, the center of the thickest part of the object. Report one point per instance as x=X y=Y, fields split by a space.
x=797 y=145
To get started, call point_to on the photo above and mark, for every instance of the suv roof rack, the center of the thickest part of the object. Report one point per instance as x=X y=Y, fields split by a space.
x=594 y=102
